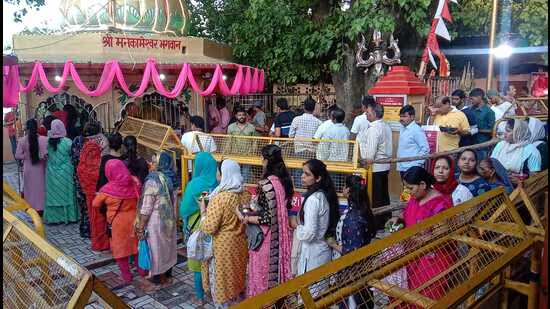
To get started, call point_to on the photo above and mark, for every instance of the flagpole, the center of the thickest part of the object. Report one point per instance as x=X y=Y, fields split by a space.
x=492 y=45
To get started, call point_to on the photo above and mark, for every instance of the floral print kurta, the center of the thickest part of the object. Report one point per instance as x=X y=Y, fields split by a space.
x=230 y=247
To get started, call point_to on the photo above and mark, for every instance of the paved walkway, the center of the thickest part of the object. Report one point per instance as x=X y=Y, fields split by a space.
x=66 y=237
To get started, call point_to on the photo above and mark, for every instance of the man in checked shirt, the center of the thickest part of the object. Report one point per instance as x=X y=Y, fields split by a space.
x=304 y=126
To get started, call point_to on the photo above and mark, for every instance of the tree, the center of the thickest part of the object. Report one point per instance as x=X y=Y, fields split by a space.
x=312 y=40
x=529 y=18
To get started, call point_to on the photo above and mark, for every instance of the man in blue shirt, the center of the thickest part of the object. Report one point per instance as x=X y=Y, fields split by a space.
x=412 y=140
x=485 y=119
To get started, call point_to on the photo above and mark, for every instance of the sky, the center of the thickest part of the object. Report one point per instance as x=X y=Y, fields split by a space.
x=48 y=16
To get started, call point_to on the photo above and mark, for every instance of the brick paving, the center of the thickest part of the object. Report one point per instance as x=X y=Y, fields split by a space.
x=66 y=237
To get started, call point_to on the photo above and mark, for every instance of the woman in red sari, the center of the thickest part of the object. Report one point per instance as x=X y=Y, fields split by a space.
x=426 y=202
x=88 y=174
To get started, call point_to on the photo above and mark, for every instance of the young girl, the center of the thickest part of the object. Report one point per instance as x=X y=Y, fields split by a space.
x=467 y=164
x=318 y=217
x=355 y=228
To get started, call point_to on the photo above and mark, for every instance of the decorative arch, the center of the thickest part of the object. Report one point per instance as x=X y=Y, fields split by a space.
x=155 y=107
x=60 y=100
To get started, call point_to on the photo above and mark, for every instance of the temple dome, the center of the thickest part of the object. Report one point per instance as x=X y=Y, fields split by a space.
x=153 y=16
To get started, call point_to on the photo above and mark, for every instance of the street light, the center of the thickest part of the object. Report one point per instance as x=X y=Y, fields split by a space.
x=503 y=51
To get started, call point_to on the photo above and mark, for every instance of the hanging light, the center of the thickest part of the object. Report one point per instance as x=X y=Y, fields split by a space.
x=224 y=77
x=57 y=78
x=162 y=76
x=345 y=5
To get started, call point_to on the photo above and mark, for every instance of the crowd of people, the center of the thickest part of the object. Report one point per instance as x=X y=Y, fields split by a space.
x=75 y=173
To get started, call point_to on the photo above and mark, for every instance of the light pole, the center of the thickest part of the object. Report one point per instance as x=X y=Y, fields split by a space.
x=492 y=44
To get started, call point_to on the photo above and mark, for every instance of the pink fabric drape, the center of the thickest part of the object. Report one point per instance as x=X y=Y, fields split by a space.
x=10 y=85
x=243 y=83
x=258 y=261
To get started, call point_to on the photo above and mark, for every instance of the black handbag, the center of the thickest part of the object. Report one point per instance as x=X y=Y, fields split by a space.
x=109 y=227
x=255 y=236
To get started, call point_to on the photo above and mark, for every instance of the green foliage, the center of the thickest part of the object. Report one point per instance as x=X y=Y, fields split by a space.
x=529 y=19
x=533 y=22
x=300 y=40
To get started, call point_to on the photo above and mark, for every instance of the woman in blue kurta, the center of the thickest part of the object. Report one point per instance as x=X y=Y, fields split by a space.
x=355 y=228
x=203 y=180
x=60 y=206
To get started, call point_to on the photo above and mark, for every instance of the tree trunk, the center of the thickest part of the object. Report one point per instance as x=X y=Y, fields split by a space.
x=349 y=86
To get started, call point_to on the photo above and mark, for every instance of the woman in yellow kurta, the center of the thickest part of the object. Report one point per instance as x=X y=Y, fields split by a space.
x=224 y=275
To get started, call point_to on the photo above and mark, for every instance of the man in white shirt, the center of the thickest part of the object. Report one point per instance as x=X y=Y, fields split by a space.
x=188 y=139
x=304 y=127
x=327 y=123
x=376 y=143
x=501 y=108
x=334 y=151
x=361 y=123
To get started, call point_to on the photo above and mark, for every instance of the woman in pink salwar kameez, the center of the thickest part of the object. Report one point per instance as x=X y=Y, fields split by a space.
x=424 y=203
x=32 y=149
x=269 y=265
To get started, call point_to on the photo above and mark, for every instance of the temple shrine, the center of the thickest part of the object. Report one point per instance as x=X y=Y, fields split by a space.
x=132 y=56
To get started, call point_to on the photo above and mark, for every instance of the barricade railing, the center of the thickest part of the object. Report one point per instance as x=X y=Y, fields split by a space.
x=452 y=259
x=494 y=134
x=13 y=202
x=531 y=195
x=154 y=137
x=531 y=106
x=534 y=188
x=38 y=275
x=341 y=157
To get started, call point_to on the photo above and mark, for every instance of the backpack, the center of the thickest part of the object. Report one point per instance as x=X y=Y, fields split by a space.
x=88 y=166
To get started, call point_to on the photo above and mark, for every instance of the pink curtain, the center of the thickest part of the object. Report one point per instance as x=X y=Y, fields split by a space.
x=243 y=83
x=11 y=85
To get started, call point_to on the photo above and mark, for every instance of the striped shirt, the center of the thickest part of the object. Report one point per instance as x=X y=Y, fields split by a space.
x=376 y=143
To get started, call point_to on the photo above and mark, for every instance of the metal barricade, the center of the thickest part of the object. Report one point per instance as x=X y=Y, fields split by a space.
x=13 y=202
x=453 y=259
x=341 y=157
x=154 y=137
x=38 y=275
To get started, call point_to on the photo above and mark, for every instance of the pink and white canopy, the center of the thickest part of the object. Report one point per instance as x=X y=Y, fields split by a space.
x=247 y=80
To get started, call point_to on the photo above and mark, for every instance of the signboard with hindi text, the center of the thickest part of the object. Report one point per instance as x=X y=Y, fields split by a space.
x=392 y=104
x=141 y=42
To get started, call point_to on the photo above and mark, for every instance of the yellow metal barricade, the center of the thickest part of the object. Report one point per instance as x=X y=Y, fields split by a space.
x=154 y=137
x=13 y=202
x=36 y=274
x=341 y=157
x=534 y=188
x=541 y=117
x=451 y=259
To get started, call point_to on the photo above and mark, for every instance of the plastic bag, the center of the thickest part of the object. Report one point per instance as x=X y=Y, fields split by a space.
x=199 y=246
x=144 y=256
